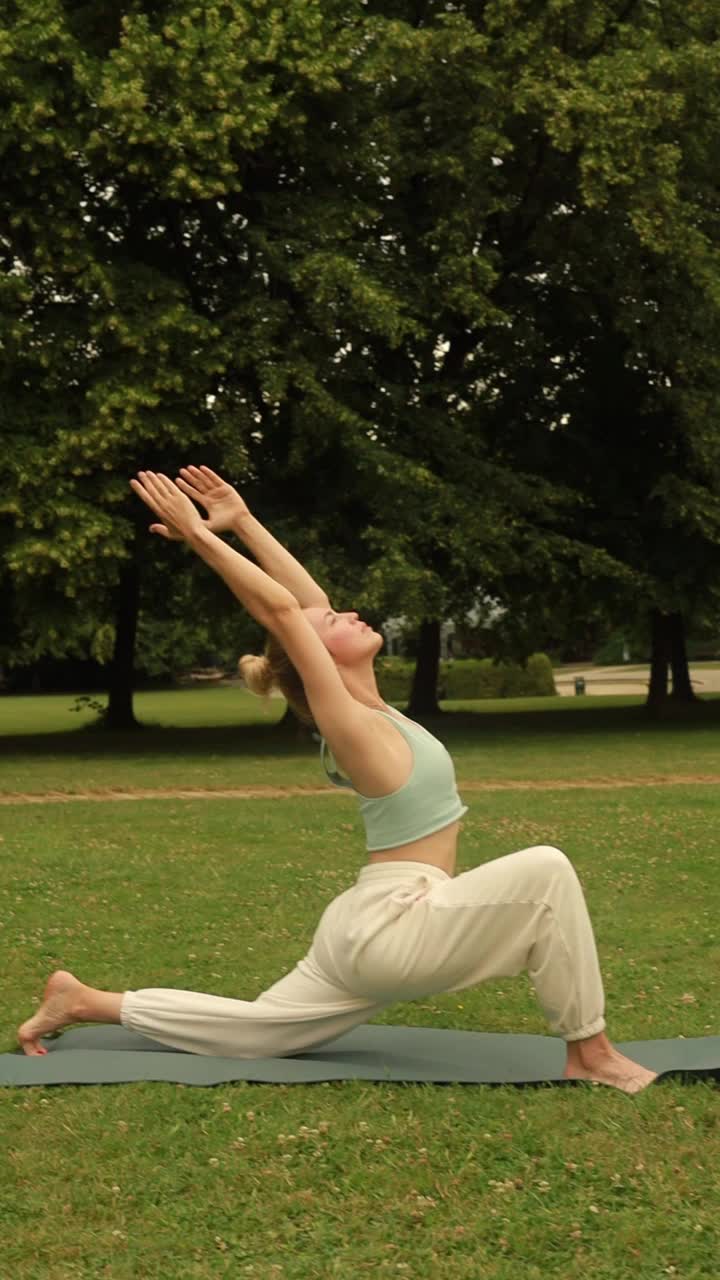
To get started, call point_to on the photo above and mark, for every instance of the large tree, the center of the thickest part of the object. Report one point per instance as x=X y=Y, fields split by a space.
x=608 y=377
x=363 y=257
x=201 y=245
x=554 y=208
x=163 y=241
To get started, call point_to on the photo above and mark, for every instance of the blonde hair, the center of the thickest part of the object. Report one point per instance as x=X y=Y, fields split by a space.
x=274 y=670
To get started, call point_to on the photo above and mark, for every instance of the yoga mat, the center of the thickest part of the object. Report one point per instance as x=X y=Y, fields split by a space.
x=112 y=1055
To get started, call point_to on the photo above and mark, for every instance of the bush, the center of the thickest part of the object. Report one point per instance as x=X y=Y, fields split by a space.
x=470 y=678
x=612 y=652
x=394 y=677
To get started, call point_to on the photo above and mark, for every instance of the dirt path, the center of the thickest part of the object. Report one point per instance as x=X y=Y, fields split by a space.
x=275 y=793
x=631 y=678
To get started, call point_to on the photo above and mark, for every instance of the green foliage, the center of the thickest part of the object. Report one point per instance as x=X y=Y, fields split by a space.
x=417 y=285
x=471 y=678
x=170 y=647
x=394 y=678
x=137 y=325
x=613 y=650
x=701 y=643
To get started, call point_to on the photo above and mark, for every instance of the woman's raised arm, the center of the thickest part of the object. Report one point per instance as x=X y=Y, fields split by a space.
x=350 y=727
x=227 y=510
x=261 y=595
x=338 y=715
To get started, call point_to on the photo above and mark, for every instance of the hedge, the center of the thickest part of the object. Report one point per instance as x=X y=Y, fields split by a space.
x=471 y=678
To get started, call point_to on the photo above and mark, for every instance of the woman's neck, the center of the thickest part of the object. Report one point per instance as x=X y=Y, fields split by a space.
x=363 y=686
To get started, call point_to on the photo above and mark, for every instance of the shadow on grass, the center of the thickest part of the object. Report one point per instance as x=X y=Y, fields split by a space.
x=221 y=740
x=455 y=724
x=586 y=716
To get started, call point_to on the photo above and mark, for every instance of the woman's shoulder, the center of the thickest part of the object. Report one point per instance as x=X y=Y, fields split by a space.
x=372 y=751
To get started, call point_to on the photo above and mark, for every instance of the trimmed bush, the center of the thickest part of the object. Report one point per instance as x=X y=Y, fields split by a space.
x=470 y=678
x=394 y=677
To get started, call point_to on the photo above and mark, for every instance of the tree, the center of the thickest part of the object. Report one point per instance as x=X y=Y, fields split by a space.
x=215 y=263
x=159 y=250
x=608 y=245
x=378 y=260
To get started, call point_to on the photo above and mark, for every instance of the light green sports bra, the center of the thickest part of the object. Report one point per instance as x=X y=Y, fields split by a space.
x=427 y=802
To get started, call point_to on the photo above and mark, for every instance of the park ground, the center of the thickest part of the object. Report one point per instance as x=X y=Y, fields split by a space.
x=200 y=852
x=630 y=678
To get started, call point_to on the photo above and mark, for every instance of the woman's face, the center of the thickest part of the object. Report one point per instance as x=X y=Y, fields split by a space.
x=347 y=639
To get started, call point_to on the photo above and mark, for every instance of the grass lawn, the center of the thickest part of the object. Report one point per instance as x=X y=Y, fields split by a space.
x=230 y=739
x=160 y=1182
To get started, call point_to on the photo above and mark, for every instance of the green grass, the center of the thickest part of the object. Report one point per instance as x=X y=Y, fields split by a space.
x=160 y=1182
x=230 y=739
x=29 y=714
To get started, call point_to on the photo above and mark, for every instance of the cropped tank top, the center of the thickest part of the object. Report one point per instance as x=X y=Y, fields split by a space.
x=427 y=802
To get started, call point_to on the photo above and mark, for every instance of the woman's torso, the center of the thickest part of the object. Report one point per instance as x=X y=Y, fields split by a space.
x=438 y=847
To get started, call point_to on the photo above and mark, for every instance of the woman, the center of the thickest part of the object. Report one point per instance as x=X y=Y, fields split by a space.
x=409 y=927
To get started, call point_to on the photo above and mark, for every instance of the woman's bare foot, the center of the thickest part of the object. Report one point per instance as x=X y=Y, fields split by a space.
x=61 y=1005
x=597 y=1060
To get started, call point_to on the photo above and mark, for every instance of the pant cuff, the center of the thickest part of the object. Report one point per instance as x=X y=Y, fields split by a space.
x=584 y=1033
x=126 y=1013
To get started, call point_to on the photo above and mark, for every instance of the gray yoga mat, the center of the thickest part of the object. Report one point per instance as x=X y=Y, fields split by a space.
x=112 y=1055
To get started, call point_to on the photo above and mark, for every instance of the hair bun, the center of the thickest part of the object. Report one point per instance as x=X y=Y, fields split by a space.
x=257 y=674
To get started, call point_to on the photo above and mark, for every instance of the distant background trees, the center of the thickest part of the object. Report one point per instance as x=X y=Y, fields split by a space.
x=437 y=286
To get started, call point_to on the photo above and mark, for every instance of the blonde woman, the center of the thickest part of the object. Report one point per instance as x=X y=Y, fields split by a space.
x=408 y=927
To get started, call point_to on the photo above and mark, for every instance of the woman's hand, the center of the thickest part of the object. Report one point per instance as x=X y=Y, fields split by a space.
x=178 y=515
x=223 y=504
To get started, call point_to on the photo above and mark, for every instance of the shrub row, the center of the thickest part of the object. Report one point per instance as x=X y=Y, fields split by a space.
x=468 y=678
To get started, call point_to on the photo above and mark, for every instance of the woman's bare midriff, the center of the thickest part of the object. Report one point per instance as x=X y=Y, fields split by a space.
x=439 y=849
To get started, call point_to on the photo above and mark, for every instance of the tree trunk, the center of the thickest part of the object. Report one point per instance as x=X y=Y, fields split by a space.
x=423 y=695
x=120 y=714
x=660 y=661
x=682 y=690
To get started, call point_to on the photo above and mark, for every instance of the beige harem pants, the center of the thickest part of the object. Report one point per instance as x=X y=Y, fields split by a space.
x=405 y=930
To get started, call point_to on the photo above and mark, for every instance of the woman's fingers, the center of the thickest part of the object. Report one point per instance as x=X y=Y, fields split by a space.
x=211 y=475
x=164 y=483
x=147 y=494
x=189 y=489
x=155 y=489
x=194 y=475
x=203 y=478
x=149 y=482
x=158 y=483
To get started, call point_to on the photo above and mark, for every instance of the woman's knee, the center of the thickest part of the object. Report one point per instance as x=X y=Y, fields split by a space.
x=548 y=852
x=549 y=862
